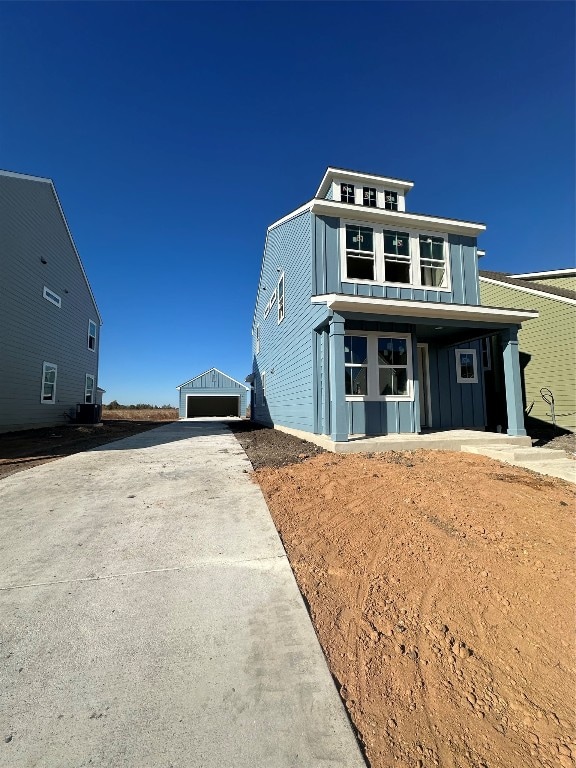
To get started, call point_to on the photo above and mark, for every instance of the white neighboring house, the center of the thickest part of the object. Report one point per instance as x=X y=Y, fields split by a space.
x=49 y=321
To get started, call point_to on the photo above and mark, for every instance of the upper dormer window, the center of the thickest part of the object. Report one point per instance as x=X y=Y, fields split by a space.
x=369 y=197
x=347 y=193
x=390 y=200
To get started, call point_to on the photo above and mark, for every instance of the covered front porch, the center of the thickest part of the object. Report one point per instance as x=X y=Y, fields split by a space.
x=391 y=367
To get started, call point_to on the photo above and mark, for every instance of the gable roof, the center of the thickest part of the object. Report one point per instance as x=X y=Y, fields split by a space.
x=25 y=177
x=210 y=371
x=549 y=291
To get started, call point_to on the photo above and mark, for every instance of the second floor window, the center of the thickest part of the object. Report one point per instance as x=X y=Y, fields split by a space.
x=347 y=193
x=280 y=292
x=396 y=257
x=359 y=252
x=92 y=335
x=432 y=261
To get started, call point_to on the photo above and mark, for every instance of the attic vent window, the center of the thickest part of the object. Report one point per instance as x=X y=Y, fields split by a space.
x=369 y=197
x=391 y=201
x=347 y=194
x=52 y=297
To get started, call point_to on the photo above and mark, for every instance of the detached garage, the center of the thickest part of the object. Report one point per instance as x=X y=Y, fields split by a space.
x=212 y=393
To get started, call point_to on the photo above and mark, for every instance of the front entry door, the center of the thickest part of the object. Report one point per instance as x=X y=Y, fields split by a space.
x=424 y=388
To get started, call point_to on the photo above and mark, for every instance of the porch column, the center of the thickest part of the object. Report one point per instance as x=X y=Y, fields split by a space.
x=512 y=381
x=339 y=415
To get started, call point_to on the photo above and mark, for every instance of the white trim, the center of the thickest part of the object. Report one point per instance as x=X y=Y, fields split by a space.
x=53 y=400
x=257 y=340
x=263 y=388
x=380 y=257
x=399 y=218
x=552 y=273
x=271 y=302
x=215 y=394
x=281 y=303
x=52 y=297
x=373 y=367
x=209 y=371
x=92 y=391
x=355 y=177
x=459 y=379
x=533 y=291
x=90 y=336
x=303 y=208
x=423 y=308
x=424 y=346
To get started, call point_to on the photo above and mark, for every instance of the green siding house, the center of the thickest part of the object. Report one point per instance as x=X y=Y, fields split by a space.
x=547 y=344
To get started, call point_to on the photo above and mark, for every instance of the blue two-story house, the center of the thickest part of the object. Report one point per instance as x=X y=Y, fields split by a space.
x=368 y=318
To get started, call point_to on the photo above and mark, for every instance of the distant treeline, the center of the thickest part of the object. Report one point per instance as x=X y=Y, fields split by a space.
x=116 y=406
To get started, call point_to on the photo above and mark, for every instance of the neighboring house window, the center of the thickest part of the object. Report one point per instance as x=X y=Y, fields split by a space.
x=347 y=193
x=257 y=339
x=378 y=367
x=91 y=335
x=390 y=200
x=486 y=354
x=280 y=292
x=392 y=366
x=432 y=261
x=52 y=297
x=466 y=367
x=89 y=389
x=369 y=197
x=356 y=364
x=396 y=257
x=263 y=388
x=359 y=252
x=49 y=375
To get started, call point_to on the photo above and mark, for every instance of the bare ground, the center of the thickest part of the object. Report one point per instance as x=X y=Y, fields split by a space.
x=441 y=586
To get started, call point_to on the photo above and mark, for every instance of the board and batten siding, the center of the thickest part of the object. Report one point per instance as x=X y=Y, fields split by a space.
x=286 y=349
x=213 y=382
x=550 y=341
x=32 y=329
x=327 y=266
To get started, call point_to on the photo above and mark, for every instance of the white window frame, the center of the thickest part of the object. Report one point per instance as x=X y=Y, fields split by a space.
x=459 y=379
x=281 y=298
x=92 y=336
x=372 y=379
x=89 y=391
x=359 y=194
x=52 y=297
x=271 y=303
x=414 y=251
x=46 y=367
x=257 y=341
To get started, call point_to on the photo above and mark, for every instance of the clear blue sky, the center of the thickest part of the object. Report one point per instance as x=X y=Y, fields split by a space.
x=176 y=132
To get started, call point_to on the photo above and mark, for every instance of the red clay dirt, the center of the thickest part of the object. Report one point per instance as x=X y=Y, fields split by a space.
x=441 y=586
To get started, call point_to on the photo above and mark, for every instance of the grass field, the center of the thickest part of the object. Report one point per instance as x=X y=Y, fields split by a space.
x=137 y=414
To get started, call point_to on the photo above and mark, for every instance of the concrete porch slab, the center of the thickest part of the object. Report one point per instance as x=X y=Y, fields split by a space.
x=449 y=440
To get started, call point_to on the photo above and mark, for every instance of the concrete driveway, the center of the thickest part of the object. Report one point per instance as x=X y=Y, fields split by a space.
x=149 y=617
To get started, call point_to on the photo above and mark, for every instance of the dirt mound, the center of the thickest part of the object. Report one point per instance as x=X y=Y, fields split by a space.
x=441 y=587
